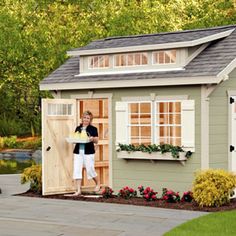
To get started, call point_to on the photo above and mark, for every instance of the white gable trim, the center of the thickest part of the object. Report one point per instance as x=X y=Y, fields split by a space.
x=130 y=83
x=152 y=46
x=223 y=75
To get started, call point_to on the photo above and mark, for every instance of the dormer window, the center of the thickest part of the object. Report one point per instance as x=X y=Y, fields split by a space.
x=164 y=57
x=96 y=62
x=131 y=59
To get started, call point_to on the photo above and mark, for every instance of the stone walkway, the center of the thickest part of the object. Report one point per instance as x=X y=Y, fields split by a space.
x=20 y=216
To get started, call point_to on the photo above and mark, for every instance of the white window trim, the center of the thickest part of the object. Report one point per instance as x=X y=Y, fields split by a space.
x=155 y=120
x=129 y=66
x=129 y=124
x=129 y=100
x=98 y=68
x=164 y=64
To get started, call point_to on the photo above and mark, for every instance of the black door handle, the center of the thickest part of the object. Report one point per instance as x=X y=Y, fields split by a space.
x=48 y=148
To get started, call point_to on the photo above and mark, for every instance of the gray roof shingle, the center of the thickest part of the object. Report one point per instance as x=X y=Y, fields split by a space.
x=209 y=62
x=149 y=39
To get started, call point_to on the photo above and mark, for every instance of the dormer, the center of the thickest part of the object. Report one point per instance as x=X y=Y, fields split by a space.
x=145 y=53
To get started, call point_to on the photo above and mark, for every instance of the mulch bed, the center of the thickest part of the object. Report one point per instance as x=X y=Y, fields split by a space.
x=139 y=202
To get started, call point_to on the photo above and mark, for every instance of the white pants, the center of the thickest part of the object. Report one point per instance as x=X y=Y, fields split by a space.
x=84 y=160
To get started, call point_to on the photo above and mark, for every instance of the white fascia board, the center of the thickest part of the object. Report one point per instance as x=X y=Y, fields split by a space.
x=223 y=75
x=151 y=46
x=129 y=71
x=130 y=83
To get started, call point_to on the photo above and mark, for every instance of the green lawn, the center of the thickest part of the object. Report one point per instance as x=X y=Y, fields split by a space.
x=220 y=223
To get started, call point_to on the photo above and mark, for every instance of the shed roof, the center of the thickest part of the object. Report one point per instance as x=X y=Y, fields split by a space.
x=210 y=62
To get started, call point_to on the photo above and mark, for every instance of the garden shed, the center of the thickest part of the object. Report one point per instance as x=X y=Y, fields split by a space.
x=175 y=88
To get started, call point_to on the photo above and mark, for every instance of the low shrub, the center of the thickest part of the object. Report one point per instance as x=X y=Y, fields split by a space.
x=127 y=193
x=148 y=194
x=170 y=196
x=107 y=192
x=33 y=175
x=187 y=196
x=10 y=142
x=213 y=187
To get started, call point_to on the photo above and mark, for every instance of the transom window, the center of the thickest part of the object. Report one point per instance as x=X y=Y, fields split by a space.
x=131 y=59
x=97 y=62
x=166 y=127
x=164 y=57
x=59 y=109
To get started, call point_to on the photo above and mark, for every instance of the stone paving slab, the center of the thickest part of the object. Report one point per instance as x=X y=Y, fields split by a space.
x=46 y=217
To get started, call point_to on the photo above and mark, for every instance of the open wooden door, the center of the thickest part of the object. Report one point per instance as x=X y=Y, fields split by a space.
x=99 y=108
x=58 y=121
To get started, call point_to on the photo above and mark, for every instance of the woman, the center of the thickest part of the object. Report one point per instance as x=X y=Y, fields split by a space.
x=84 y=153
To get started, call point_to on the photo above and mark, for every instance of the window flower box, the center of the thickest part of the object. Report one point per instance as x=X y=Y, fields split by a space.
x=154 y=156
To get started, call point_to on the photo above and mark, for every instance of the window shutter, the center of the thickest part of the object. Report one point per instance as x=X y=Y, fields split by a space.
x=121 y=122
x=188 y=124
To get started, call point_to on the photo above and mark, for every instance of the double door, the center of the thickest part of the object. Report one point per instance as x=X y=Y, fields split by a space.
x=59 y=119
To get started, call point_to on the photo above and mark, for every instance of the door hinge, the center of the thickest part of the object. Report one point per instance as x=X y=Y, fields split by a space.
x=231 y=100
x=231 y=148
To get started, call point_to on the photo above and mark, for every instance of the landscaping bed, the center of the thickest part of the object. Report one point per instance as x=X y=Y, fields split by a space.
x=138 y=201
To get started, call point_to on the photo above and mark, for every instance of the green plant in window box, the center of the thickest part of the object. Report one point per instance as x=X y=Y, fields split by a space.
x=162 y=148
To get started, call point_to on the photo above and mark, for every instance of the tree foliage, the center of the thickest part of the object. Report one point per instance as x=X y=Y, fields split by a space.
x=35 y=36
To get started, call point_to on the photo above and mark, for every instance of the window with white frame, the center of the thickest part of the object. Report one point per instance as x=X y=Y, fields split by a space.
x=98 y=62
x=139 y=122
x=59 y=109
x=168 y=122
x=164 y=57
x=131 y=59
x=156 y=122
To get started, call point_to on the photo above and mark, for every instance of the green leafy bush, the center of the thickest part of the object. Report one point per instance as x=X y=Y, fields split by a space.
x=213 y=187
x=33 y=175
x=163 y=148
x=10 y=142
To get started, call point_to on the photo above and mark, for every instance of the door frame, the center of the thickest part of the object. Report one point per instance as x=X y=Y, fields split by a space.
x=91 y=95
x=231 y=93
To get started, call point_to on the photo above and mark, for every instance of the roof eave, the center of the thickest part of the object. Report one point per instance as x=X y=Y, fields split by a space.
x=130 y=83
x=152 y=46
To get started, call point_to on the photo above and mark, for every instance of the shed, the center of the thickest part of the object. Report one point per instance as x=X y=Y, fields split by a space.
x=175 y=88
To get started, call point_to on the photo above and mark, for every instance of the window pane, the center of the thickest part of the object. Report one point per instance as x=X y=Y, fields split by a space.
x=175 y=141
x=146 y=131
x=134 y=108
x=130 y=59
x=106 y=63
x=135 y=131
x=175 y=131
x=137 y=60
x=145 y=119
x=164 y=131
x=163 y=107
x=145 y=107
x=161 y=59
x=167 y=57
x=134 y=119
x=174 y=119
x=162 y=119
x=144 y=59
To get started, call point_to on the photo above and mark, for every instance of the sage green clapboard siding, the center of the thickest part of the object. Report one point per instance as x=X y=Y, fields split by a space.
x=160 y=174
x=218 y=122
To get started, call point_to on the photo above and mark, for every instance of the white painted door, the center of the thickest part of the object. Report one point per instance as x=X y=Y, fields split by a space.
x=58 y=121
x=232 y=148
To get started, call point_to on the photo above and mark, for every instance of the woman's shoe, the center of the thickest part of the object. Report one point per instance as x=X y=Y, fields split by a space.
x=73 y=194
x=97 y=188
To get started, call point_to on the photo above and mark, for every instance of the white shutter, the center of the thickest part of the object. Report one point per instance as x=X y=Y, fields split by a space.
x=121 y=122
x=188 y=124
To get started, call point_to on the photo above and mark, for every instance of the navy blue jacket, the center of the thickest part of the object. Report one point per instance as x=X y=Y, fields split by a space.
x=89 y=147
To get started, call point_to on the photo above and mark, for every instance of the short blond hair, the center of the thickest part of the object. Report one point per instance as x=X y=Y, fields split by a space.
x=87 y=113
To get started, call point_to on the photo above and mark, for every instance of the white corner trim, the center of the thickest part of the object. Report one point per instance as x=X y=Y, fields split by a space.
x=199 y=50
x=130 y=83
x=204 y=128
x=231 y=92
x=128 y=71
x=230 y=67
x=152 y=46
